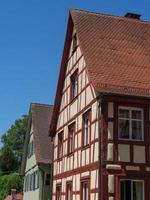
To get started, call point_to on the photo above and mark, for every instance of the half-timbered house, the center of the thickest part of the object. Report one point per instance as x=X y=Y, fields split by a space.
x=100 y=122
x=36 y=166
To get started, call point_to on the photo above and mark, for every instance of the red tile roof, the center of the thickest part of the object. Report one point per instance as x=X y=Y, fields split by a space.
x=41 y=116
x=116 y=51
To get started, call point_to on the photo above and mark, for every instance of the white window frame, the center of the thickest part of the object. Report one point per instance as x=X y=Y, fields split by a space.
x=134 y=180
x=130 y=109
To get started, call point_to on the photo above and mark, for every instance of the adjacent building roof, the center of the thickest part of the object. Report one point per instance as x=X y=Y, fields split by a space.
x=40 y=118
x=116 y=52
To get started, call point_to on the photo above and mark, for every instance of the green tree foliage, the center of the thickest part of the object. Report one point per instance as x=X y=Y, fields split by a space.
x=12 y=148
x=8 y=161
x=14 y=137
x=10 y=157
x=7 y=182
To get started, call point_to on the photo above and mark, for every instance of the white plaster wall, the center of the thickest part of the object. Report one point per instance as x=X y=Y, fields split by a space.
x=139 y=154
x=110 y=152
x=124 y=153
x=111 y=184
x=89 y=96
x=72 y=162
x=73 y=108
x=110 y=130
x=94 y=196
x=94 y=179
x=94 y=111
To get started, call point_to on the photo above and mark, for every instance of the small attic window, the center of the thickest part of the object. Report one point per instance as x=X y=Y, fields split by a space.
x=74 y=85
x=74 y=43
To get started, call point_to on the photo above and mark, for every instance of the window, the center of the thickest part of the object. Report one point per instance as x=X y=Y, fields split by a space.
x=74 y=85
x=130 y=123
x=36 y=179
x=25 y=183
x=30 y=149
x=58 y=192
x=85 y=191
x=31 y=181
x=131 y=190
x=86 y=128
x=47 y=181
x=71 y=132
x=74 y=43
x=60 y=144
x=69 y=191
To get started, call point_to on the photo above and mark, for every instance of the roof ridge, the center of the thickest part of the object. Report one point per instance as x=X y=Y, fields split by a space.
x=41 y=104
x=111 y=15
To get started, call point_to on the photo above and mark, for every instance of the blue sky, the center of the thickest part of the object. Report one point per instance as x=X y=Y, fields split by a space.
x=31 y=42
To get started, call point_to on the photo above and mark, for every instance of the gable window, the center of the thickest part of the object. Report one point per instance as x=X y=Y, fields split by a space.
x=74 y=85
x=85 y=190
x=58 y=192
x=74 y=43
x=131 y=190
x=130 y=123
x=60 y=145
x=86 y=128
x=69 y=191
x=71 y=132
x=30 y=149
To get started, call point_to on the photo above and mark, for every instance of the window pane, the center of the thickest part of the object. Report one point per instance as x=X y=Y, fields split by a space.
x=128 y=190
x=136 y=114
x=86 y=131
x=124 y=129
x=125 y=190
x=137 y=191
x=85 y=191
x=71 y=132
x=60 y=145
x=136 y=130
x=74 y=85
x=123 y=113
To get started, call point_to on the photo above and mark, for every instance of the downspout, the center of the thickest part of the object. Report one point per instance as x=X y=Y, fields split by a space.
x=99 y=99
